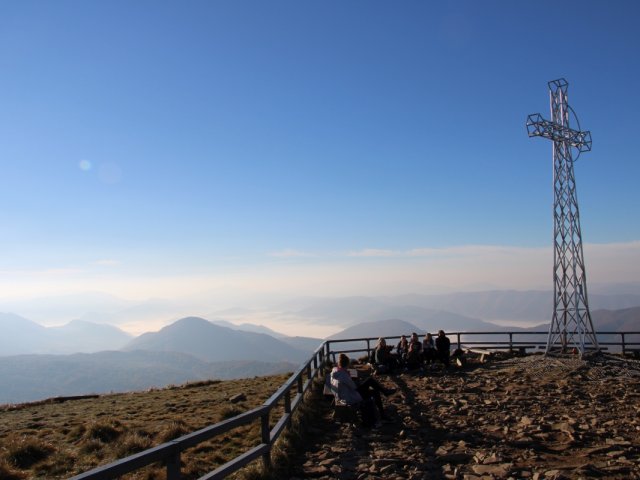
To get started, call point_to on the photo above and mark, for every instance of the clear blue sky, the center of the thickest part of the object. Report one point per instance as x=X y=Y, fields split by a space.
x=156 y=139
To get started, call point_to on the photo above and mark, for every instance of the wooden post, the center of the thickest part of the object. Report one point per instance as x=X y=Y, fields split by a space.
x=173 y=466
x=266 y=439
x=287 y=402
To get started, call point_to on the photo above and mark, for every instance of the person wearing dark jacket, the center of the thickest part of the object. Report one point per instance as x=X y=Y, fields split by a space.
x=414 y=352
x=401 y=349
x=384 y=360
x=443 y=345
x=428 y=349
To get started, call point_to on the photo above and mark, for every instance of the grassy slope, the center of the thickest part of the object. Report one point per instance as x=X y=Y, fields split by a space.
x=59 y=440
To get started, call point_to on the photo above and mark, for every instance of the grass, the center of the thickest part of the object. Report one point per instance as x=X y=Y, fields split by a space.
x=58 y=440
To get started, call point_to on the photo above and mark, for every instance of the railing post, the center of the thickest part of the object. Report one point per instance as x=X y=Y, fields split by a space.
x=287 y=402
x=266 y=437
x=510 y=342
x=624 y=345
x=173 y=467
x=459 y=344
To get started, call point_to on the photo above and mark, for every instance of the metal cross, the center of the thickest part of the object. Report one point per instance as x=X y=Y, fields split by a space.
x=571 y=328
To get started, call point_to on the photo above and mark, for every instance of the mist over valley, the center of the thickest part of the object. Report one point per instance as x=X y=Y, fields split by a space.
x=85 y=357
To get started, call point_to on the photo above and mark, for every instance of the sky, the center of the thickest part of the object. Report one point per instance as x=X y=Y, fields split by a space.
x=162 y=149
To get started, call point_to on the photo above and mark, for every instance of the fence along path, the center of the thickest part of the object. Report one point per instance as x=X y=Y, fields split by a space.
x=169 y=453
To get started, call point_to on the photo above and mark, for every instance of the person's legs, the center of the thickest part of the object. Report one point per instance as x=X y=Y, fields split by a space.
x=444 y=357
x=371 y=383
x=374 y=395
x=429 y=356
x=371 y=388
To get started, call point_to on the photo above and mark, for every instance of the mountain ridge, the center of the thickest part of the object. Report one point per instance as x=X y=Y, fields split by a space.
x=212 y=342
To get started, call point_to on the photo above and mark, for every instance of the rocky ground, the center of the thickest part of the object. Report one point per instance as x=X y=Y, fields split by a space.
x=527 y=417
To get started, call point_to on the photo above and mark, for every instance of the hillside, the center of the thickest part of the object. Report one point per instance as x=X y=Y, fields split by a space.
x=627 y=319
x=25 y=378
x=58 y=440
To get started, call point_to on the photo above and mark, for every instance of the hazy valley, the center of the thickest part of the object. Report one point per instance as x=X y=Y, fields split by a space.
x=86 y=357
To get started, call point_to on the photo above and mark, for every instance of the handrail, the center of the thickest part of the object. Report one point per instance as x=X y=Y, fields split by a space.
x=300 y=381
x=626 y=346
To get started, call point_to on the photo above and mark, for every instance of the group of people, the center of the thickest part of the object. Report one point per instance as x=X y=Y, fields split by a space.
x=366 y=394
x=411 y=353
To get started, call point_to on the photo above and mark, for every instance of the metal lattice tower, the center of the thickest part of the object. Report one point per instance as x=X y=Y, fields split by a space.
x=571 y=326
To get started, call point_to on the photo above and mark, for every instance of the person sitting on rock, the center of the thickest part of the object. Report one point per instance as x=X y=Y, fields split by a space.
x=362 y=395
x=414 y=352
x=443 y=345
x=384 y=360
x=428 y=349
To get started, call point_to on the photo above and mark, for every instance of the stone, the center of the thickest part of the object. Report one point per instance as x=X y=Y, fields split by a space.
x=500 y=470
x=240 y=397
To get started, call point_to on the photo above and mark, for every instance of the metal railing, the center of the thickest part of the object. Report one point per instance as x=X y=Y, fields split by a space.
x=624 y=342
x=169 y=453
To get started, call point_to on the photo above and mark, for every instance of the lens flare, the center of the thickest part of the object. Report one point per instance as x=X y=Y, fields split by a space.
x=85 y=165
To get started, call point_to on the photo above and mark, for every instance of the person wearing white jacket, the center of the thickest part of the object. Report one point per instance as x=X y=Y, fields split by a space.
x=347 y=391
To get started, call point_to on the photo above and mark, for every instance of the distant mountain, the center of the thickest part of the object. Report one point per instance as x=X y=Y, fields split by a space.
x=486 y=305
x=308 y=344
x=531 y=305
x=345 y=310
x=79 y=336
x=61 y=308
x=624 y=320
x=224 y=323
x=21 y=336
x=25 y=378
x=350 y=311
x=627 y=319
x=434 y=320
x=248 y=327
x=201 y=338
x=457 y=311
x=384 y=328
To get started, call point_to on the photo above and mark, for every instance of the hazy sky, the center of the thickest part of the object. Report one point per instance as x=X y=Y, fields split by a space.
x=156 y=148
